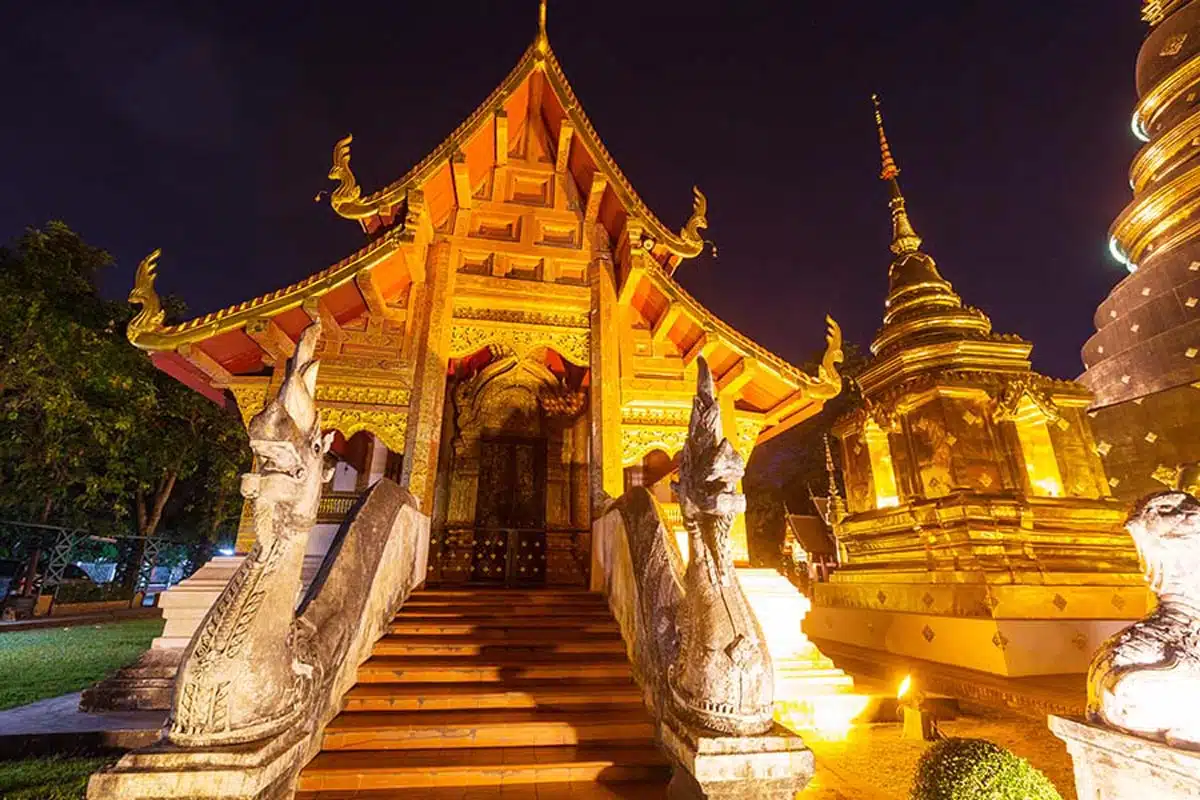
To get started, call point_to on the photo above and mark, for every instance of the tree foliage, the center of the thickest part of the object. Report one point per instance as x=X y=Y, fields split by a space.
x=786 y=471
x=91 y=434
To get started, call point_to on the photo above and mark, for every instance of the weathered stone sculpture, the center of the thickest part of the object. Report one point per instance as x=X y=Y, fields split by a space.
x=1146 y=679
x=721 y=677
x=247 y=673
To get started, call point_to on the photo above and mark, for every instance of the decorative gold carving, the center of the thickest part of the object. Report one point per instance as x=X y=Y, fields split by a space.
x=391 y=426
x=1009 y=400
x=251 y=398
x=1173 y=45
x=636 y=442
x=150 y=318
x=698 y=221
x=370 y=395
x=655 y=416
x=522 y=317
x=570 y=343
x=747 y=434
x=346 y=198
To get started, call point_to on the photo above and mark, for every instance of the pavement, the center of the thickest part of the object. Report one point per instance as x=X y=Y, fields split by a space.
x=57 y=725
x=69 y=620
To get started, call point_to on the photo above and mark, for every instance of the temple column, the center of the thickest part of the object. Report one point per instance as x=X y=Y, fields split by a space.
x=737 y=533
x=605 y=402
x=581 y=509
x=433 y=305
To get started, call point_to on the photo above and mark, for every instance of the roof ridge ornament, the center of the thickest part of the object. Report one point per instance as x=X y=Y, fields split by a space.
x=690 y=233
x=542 y=43
x=150 y=318
x=904 y=237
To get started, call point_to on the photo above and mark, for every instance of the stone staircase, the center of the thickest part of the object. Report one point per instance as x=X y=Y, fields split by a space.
x=493 y=693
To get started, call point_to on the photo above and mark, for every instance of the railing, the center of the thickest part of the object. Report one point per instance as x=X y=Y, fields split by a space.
x=334 y=506
x=510 y=556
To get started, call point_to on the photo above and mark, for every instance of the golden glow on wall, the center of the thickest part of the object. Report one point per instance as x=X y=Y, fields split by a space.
x=1037 y=450
x=883 y=473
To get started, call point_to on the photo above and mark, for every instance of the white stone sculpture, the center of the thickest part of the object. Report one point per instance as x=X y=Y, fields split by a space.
x=1146 y=679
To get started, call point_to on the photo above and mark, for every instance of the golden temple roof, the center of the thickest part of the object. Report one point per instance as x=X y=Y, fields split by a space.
x=247 y=337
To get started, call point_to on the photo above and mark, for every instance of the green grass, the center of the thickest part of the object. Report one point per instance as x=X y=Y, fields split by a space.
x=48 y=662
x=52 y=778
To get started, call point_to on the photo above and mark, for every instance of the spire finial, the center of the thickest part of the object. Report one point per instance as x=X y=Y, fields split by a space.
x=542 y=43
x=837 y=509
x=904 y=238
x=890 y=170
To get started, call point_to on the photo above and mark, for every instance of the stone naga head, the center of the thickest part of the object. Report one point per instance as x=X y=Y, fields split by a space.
x=288 y=447
x=1166 y=529
x=709 y=468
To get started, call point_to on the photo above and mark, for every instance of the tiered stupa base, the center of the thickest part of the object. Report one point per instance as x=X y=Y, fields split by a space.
x=1043 y=624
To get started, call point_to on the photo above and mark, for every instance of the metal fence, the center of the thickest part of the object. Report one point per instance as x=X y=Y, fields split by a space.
x=59 y=548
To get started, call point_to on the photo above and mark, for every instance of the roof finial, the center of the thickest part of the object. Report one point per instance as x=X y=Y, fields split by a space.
x=542 y=43
x=904 y=238
x=890 y=170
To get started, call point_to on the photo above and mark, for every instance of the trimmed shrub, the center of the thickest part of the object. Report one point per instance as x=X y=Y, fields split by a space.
x=976 y=769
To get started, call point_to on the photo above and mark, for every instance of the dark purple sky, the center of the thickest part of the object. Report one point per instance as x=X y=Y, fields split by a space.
x=207 y=131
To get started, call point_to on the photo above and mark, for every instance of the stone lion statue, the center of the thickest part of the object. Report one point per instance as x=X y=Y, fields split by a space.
x=1146 y=679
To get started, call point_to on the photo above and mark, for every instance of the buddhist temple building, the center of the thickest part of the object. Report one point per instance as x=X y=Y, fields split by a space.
x=979 y=529
x=1143 y=362
x=510 y=342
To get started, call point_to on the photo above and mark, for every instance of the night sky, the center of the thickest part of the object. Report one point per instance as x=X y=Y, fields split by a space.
x=207 y=131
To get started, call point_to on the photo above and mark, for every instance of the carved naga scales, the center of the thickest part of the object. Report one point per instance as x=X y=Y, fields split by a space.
x=247 y=673
x=1146 y=679
x=721 y=678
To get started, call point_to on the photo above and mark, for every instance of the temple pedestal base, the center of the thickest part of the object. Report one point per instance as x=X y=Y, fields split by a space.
x=708 y=766
x=1009 y=647
x=1111 y=765
x=256 y=771
x=810 y=692
x=149 y=683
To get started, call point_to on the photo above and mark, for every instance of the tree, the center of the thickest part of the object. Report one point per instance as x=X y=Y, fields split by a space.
x=91 y=434
x=786 y=471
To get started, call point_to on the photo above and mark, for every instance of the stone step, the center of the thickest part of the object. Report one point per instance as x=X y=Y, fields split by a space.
x=640 y=790
x=492 y=669
x=498 y=766
x=455 y=622
x=513 y=645
x=490 y=628
x=510 y=609
x=512 y=694
x=493 y=727
x=506 y=594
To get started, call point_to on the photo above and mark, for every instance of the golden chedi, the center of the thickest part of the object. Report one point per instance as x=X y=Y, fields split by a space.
x=979 y=528
x=1143 y=362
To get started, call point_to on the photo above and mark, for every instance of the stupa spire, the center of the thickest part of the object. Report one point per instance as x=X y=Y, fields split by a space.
x=904 y=237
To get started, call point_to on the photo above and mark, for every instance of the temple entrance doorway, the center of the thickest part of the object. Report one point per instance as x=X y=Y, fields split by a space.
x=512 y=504
x=510 y=512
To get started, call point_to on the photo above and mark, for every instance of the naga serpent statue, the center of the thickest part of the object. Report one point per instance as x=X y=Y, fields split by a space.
x=1145 y=680
x=248 y=672
x=721 y=677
